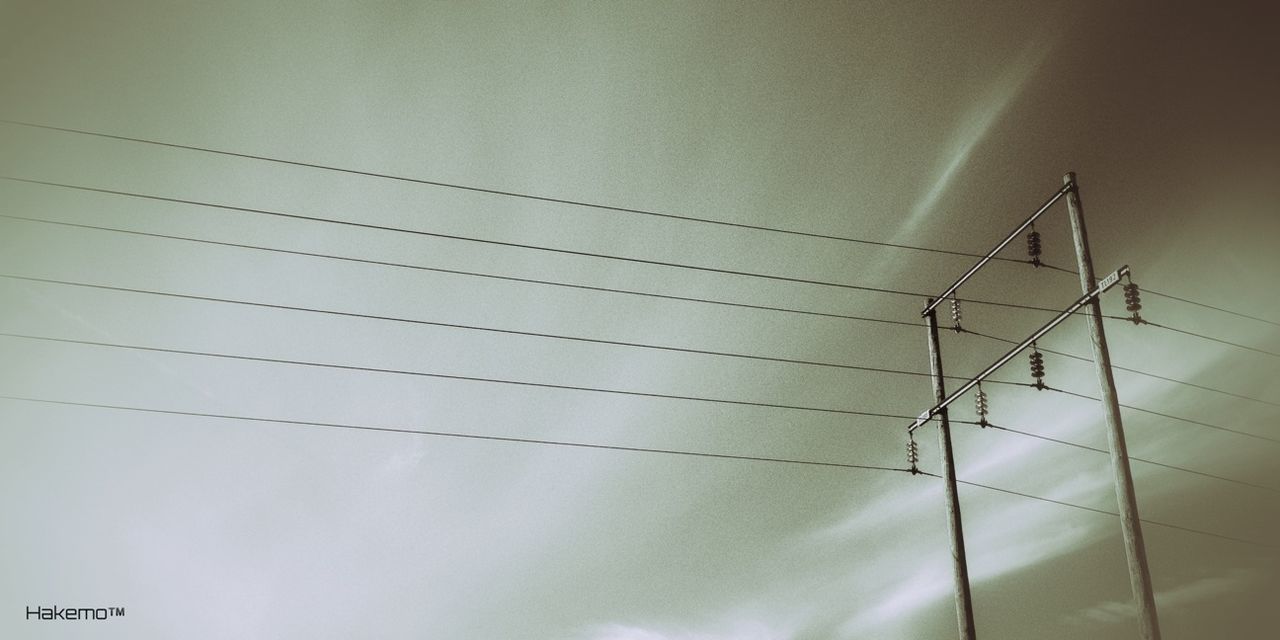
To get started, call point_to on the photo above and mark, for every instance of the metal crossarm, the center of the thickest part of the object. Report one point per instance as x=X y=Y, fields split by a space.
x=1103 y=285
x=991 y=254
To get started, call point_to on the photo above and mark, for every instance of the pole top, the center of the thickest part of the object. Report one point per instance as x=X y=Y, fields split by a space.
x=1069 y=177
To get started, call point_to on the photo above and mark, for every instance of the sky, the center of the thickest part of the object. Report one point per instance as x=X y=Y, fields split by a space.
x=937 y=125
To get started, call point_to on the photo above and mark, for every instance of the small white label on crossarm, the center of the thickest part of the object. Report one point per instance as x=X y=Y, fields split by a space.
x=1109 y=280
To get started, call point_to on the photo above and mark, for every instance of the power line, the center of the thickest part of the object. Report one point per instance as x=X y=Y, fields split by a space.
x=553 y=283
x=453 y=434
x=444 y=376
x=1208 y=425
x=1046 y=265
x=1172 y=297
x=500 y=192
x=1211 y=339
x=577 y=445
x=1185 y=300
x=476 y=274
x=450 y=325
x=592 y=288
x=1149 y=411
x=1188 y=301
x=502 y=243
x=1209 y=306
x=1110 y=513
x=1130 y=370
x=585 y=287
x=603 y=207
x=1134 y=458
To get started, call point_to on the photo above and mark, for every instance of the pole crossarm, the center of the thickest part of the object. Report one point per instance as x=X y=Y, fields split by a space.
x=991 y=254
x=1103 y=285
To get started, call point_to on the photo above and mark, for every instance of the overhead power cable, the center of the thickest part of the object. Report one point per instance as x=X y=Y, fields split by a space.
x=1134 y=458
x=503 y=243
x=578 y=203
x=445 y=376
x=1160 y=294
x=1046 y=265
x=1209 y=306
x=476 y=274
x=553 y=283
x=451 y=325
x=1130 y=407
x=1110 y=513
x=454 y=434
x=601 y=289
x=1211 y=338
x=572 y=444
x=1039 y=385
x=498 y=192
x=1183 y=331
x=1130 y=370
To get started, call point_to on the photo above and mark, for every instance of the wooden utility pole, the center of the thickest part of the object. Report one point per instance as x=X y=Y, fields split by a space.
x=1130 y=525
x=959 y=563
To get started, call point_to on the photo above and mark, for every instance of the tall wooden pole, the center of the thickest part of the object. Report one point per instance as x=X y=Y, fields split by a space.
x=1130 y=525
x=960 y=565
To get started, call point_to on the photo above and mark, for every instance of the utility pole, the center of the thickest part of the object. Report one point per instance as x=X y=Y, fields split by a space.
x=1092 y=290
x=1130 y=525
x=959 y=563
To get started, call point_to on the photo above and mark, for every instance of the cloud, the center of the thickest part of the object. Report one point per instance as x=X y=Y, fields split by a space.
x=739 y=630
x=995 y=549
x=976 y=125
x=165 y=371
x=1113 y=611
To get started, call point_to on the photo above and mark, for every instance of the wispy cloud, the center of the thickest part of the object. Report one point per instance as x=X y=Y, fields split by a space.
x=975 y=126
x=736 y=630
x=996 y=549
x=1113 y=611
x=166 y=372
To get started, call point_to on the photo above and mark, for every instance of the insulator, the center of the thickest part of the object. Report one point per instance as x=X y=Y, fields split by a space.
x=913 y=453
x=980 y=406
x=1037 y=368
x=955 y=314
x=1132 y=297
x=1033 y=247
